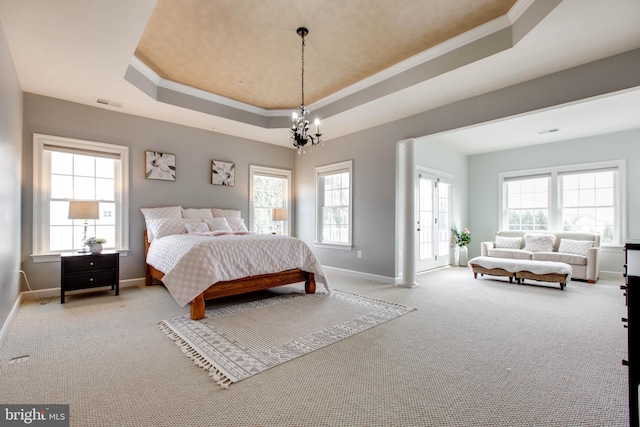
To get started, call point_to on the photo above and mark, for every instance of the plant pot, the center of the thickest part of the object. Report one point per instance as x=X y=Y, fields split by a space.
x=95 y=248
x=463 y=256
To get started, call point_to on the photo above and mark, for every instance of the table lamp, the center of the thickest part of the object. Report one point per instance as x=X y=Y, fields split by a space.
x=84 y=209
x=279 y=214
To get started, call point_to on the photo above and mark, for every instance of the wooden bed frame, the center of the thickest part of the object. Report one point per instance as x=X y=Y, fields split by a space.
x=235 y=287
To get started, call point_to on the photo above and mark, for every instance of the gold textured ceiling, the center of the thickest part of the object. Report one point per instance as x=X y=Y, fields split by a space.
x=248 y=50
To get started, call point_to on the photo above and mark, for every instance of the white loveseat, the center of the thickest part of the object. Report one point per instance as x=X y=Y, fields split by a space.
x=579 y=250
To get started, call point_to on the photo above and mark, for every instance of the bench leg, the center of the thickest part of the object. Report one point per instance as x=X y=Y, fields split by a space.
x=475 y=275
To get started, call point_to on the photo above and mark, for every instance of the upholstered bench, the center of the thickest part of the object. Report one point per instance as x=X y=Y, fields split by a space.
x=543 y=271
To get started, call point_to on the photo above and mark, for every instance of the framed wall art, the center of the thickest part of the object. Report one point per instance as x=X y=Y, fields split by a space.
x=223 y=173
x=160 y=166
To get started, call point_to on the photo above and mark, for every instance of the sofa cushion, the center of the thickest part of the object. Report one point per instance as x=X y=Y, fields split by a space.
x=560 y=257
x=577 y=247
x=508 y=242
x=535 y=242
x=509 y=253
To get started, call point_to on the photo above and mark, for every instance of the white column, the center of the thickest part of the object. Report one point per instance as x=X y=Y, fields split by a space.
x=410 y=224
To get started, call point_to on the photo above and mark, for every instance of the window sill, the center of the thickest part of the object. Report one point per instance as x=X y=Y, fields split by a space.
x=37 y=258
x=339 y=246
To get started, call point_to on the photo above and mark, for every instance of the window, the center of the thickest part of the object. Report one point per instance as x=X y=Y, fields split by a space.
x=68 y=169
x=588 y=198
x=588 y=203
x=270 y=189
x=333 y=192
x=527 y=203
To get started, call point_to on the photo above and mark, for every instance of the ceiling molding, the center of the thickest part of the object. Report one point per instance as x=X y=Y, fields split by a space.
x=331 y=105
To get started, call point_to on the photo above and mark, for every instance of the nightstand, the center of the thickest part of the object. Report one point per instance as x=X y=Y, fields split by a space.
x=84 y=271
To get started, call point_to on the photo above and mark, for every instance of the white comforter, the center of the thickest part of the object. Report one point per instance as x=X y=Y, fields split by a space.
x=192 y=263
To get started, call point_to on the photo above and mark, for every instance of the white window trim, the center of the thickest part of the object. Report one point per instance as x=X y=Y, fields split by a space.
x=347 y=165
x=554 y=196
x=277 y=173
x=41 y=172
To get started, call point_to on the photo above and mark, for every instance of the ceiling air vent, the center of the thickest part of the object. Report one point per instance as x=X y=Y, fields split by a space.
x=103 y=101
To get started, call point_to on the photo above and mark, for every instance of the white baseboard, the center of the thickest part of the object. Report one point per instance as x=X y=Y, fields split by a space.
x=360 y=275
x=611 y=274
x=12 y=314
x=54 y=292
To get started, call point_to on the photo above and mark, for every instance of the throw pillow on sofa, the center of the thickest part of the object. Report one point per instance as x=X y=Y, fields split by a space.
x=508 y=242
x=539 y=242
x=576 y=247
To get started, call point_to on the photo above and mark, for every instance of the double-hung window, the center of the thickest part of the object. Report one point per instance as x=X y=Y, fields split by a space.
x=588 y=198
x=270 y=200
x=66 y=169
x=334 y=204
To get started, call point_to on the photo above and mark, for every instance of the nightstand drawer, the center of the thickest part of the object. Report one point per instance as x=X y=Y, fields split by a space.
x=90 y=280
x=84 y=263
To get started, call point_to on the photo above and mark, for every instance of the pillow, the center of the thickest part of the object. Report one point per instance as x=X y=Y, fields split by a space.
x=196 y=227
x=539 y=242
x=217 y=224
x=197 y=213
x=576 y=247
x=508 y=242
x=162 y=227
x=156 y=213
x=237 y=224
x=226 y=213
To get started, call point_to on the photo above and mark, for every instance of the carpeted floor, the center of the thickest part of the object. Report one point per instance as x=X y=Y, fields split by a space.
x=475 y=353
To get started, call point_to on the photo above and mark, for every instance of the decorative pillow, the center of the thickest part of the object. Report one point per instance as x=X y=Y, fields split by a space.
x=237 y=224
x=217 y=224
x=576 y=247
x=508 y=242
x=539 y=242
x=225 y=213
x=156 y=213
x=167 y=226
x=197 y=213
x=196 y=227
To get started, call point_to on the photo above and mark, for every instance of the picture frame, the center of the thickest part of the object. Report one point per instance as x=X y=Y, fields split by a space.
x=223 y=173
x=160 y=166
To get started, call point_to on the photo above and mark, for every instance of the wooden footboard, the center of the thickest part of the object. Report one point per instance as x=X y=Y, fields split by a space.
x=238 y=286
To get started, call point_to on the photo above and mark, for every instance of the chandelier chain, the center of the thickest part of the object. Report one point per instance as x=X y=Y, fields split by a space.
x=302 y=71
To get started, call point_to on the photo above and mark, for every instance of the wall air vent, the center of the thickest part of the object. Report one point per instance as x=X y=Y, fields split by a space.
x=542 y=132
x=109 y=103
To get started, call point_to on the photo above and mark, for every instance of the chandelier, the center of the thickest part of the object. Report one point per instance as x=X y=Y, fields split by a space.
x=300 y=136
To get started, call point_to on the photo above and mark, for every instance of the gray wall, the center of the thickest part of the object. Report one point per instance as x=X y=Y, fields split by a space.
x=484 y=189
x=10 y=178
x=194 y=150
x=373 y=155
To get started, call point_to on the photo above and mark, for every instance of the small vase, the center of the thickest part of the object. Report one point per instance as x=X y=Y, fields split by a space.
x=95 y=248
x=463 y=256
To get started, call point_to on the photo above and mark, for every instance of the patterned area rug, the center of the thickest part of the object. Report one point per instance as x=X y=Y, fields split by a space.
x=235 y=342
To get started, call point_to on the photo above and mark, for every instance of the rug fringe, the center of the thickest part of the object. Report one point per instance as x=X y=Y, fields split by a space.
x=377 y=300
x=214 y=373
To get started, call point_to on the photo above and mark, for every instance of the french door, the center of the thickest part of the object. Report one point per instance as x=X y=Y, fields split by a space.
x=434 y=195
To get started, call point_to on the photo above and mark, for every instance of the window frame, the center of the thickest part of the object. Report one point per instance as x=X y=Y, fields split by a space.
x=42 y=191
x=555 y=194
x=332 y=169
x=276 y=173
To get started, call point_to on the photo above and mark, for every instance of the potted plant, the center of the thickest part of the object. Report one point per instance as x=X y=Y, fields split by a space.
x=461 y=239
x=95 y=244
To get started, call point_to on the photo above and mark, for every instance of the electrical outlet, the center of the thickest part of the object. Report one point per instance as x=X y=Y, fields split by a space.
x=359 y=254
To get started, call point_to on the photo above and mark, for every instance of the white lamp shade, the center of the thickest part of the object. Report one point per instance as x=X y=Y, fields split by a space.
x=84 y=209
x=279 y=214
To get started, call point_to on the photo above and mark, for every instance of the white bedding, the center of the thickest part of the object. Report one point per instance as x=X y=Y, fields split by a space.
x=192 y=263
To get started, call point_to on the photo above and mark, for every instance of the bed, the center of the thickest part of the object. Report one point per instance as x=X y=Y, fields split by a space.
x=200 y=267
